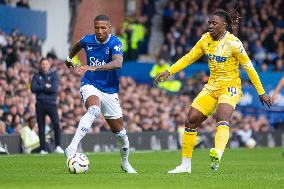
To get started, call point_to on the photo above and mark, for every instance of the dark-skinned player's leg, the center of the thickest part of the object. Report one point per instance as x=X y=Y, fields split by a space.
x=224 y=112
x=193 y=121
x=116 y=126
x=92 y=105
x=202 y=107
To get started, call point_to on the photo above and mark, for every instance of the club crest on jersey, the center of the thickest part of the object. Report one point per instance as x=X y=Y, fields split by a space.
x=107 y=50
x=95 y=62
x=242 y=50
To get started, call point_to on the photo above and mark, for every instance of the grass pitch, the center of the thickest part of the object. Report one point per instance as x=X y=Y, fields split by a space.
x=240 y=168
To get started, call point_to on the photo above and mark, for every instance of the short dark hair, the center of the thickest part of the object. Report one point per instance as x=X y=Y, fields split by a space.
x=232 y=18
x=102 y=17
x=42 y=59
x=31 y=118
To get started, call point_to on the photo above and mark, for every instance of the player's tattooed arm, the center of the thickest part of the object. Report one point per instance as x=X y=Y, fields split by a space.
x=116 y=63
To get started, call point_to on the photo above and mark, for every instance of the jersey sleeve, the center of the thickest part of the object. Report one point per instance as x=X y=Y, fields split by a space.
x=116 y=47
x=83 y=42
x=194 y=54
x=241 y=55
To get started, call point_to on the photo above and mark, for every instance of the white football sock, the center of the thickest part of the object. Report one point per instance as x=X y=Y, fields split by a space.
x=123 y=144
x=186 y=162
x=219 y=152
x=84 y=125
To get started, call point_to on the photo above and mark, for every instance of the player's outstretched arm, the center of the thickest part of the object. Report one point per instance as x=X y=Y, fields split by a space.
x=244 y=60
x=75 y=49
x=115 y=64
x=264 y=98
x=162 y=76
x=277 y=89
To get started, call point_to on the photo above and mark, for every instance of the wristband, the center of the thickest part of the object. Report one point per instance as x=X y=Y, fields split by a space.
x=68 y=59
x=168 y=72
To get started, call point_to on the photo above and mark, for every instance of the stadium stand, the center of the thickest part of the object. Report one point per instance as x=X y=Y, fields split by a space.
x=261 y=29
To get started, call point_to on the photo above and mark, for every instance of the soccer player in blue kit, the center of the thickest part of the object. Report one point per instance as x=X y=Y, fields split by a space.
x=99 y=86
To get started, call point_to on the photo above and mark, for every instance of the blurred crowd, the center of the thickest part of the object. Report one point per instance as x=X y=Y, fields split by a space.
x=16 y=3
x=135 y=30
x=261 y=29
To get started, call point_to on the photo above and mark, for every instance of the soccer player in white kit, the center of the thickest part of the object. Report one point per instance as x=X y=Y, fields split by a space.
x=99 y=86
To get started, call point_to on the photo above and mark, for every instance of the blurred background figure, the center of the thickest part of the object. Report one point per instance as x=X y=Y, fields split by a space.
x=30 y=138
x=45 y=85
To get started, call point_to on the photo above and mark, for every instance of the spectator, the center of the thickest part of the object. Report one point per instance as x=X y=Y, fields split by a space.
x=2 y=128
x=259 y=52
x=23 y=4
x=263 y=68
x=245 y=134
x=164 y=53
x=45 y=86
x=278 y=66
x=35 y=44
x=30 y=138
x=12 y=3
x=262 y=30
x=158 y=68
x=138 y=32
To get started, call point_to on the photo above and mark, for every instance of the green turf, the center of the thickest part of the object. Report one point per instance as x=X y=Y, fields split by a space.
x=240 y=168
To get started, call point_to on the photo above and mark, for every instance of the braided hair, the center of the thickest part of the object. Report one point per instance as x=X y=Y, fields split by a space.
x=232 y=18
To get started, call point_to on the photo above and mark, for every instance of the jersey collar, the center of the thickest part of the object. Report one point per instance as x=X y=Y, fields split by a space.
x=104 y=41
x=223 y=35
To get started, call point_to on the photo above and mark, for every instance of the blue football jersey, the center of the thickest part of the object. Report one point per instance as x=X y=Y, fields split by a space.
x=99 y=54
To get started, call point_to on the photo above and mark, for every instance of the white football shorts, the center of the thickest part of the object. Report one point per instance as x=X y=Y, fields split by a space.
x=110 y=105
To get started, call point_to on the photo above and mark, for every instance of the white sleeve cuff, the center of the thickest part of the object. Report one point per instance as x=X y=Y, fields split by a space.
x=68 y=59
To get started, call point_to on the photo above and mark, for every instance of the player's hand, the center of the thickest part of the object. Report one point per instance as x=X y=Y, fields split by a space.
x=69 y=62
x=162 y=76
x=265 y=99
x=82 y=69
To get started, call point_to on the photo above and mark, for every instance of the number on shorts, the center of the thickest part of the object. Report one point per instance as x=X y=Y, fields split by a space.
x=232 y=91
x=82 y=97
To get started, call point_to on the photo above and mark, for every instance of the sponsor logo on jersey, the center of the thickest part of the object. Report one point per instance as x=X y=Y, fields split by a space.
x=95 y=62
x=107 y=50
x=216 y=58
x=89 y=48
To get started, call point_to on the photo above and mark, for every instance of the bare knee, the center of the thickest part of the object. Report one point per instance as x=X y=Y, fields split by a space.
x=116 y=125
x=194 y=119
x=191 y=123
x=224 y=112
x=92 y=100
